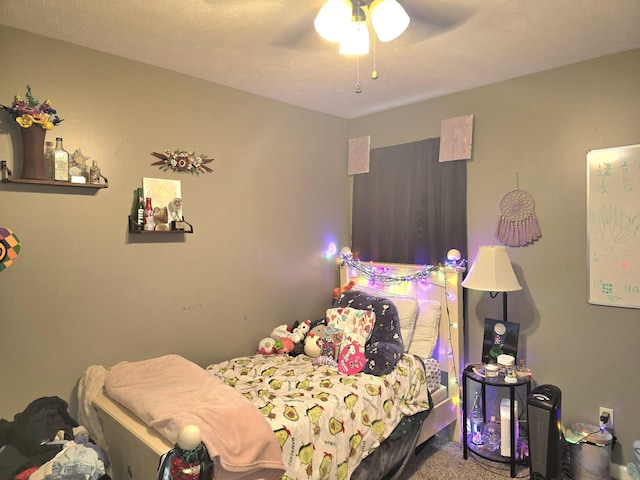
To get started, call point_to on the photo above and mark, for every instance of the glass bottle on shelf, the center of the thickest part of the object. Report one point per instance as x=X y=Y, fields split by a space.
x=140 y=208
x=148 y=215
x=491 y=435
x=49 y=164
x=476 y=420
x=94 y=173
x=61 y=162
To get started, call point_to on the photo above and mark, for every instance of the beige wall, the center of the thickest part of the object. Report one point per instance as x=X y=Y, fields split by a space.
x=539 y=128
x=83 y=291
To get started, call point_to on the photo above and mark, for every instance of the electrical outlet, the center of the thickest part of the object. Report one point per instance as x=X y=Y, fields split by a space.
x=608 y=410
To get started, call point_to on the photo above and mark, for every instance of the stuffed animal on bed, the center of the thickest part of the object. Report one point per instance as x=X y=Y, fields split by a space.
x=384 y=347
x=343 y=288
x=315 y=338
x=267 y=346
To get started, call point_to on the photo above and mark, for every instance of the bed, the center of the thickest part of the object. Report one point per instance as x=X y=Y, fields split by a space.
x=372 y=430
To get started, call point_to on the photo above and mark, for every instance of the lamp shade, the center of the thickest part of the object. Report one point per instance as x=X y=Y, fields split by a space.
x=332 y=19
x=491 y=271
x=389 y=19
x=355 y=40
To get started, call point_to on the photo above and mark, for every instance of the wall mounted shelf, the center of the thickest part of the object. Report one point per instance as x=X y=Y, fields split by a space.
x=135 y=228
x=7 y=177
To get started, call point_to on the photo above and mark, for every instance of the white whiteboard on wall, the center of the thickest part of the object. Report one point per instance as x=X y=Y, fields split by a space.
x=613 y=229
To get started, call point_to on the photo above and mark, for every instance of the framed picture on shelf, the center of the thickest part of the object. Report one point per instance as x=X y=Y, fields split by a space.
x=162 y=192
x=500 y=337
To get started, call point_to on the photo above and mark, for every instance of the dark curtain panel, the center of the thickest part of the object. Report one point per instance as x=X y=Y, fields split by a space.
x=410 y=208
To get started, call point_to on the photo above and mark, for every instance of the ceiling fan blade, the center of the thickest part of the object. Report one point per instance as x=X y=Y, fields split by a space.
x=429 y=20
x=443 y=17
x=298 y=31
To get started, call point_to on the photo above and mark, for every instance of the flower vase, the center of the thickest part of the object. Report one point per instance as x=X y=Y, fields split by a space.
x=33 y=153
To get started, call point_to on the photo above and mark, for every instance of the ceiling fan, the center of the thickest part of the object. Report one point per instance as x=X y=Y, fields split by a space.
x=427 y=18
x=345 y=22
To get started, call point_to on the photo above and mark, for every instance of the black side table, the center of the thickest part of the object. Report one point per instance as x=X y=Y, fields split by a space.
x=468 y=374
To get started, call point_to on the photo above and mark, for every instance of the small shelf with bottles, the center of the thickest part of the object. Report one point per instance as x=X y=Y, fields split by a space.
x=7 y=177
x=174 y=227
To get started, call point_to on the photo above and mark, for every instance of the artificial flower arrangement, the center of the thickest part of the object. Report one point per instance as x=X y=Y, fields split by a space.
x=183 y=161
x=30 y=112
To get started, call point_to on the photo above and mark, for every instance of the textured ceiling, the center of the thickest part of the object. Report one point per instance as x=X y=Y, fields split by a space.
x=269 y=47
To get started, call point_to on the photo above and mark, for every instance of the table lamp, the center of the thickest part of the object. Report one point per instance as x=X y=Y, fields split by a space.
x=492 y=272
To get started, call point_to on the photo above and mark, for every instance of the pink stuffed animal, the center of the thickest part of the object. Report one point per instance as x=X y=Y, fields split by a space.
x=267 y=346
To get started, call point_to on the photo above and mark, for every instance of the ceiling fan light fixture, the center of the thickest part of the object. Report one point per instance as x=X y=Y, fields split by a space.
x=332 y=19
x=389 y=19
x=355 y=40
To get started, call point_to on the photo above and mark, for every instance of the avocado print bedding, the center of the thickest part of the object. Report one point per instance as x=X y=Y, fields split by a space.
x=326 y=422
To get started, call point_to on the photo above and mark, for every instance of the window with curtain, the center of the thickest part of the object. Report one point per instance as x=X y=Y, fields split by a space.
x=410 y=208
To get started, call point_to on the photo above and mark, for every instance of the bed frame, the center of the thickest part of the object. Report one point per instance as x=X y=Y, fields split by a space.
x=135 y=449
x=445 y=287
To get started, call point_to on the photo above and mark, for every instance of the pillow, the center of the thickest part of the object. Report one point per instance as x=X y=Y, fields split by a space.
x=355 y=326
x=352 y=320
x=427 y=326
x=384 y=348
x=407 y=312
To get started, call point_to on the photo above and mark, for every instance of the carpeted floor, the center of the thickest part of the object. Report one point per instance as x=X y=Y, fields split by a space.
x=441 y=459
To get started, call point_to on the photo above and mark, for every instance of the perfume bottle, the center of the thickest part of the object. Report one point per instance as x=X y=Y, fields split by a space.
x=94 y=173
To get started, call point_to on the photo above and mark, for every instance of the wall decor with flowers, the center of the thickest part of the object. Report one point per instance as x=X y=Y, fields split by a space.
x=34 y=119
x=183 y=161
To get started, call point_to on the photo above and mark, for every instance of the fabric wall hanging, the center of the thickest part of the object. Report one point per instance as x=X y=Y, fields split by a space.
x=518 y=225
x=9 y=248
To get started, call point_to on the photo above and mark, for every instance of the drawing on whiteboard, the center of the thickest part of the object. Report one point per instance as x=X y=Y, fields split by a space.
x=613 y=231
x=611 y=227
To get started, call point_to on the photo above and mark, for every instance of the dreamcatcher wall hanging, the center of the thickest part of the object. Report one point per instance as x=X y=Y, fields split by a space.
x=518 y=225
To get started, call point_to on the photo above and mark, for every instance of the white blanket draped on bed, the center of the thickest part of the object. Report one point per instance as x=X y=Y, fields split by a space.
x=326 y=422
x=170 y=392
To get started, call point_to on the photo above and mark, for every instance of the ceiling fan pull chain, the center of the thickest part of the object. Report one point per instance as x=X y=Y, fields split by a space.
x=374 y=73
x=358 y=86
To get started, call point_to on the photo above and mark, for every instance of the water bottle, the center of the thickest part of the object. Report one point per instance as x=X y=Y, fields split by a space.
x=477 y=420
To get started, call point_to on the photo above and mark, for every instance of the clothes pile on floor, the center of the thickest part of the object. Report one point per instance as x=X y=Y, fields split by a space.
x=45 y=443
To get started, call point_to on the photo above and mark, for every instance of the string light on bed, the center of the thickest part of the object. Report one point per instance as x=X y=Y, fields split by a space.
x=379 y=275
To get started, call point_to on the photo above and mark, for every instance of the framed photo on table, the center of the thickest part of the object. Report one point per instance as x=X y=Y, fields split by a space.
x=500 y=337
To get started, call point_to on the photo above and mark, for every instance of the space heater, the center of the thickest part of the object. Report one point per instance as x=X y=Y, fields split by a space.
x=545 y=432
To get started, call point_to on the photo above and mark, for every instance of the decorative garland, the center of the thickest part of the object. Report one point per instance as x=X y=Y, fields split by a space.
x=372 y=273
x=182 y=161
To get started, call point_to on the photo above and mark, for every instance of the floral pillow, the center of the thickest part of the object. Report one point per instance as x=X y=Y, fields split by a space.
x=356 y=327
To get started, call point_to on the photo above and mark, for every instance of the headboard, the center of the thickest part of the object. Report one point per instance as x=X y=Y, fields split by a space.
x=442 y=284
